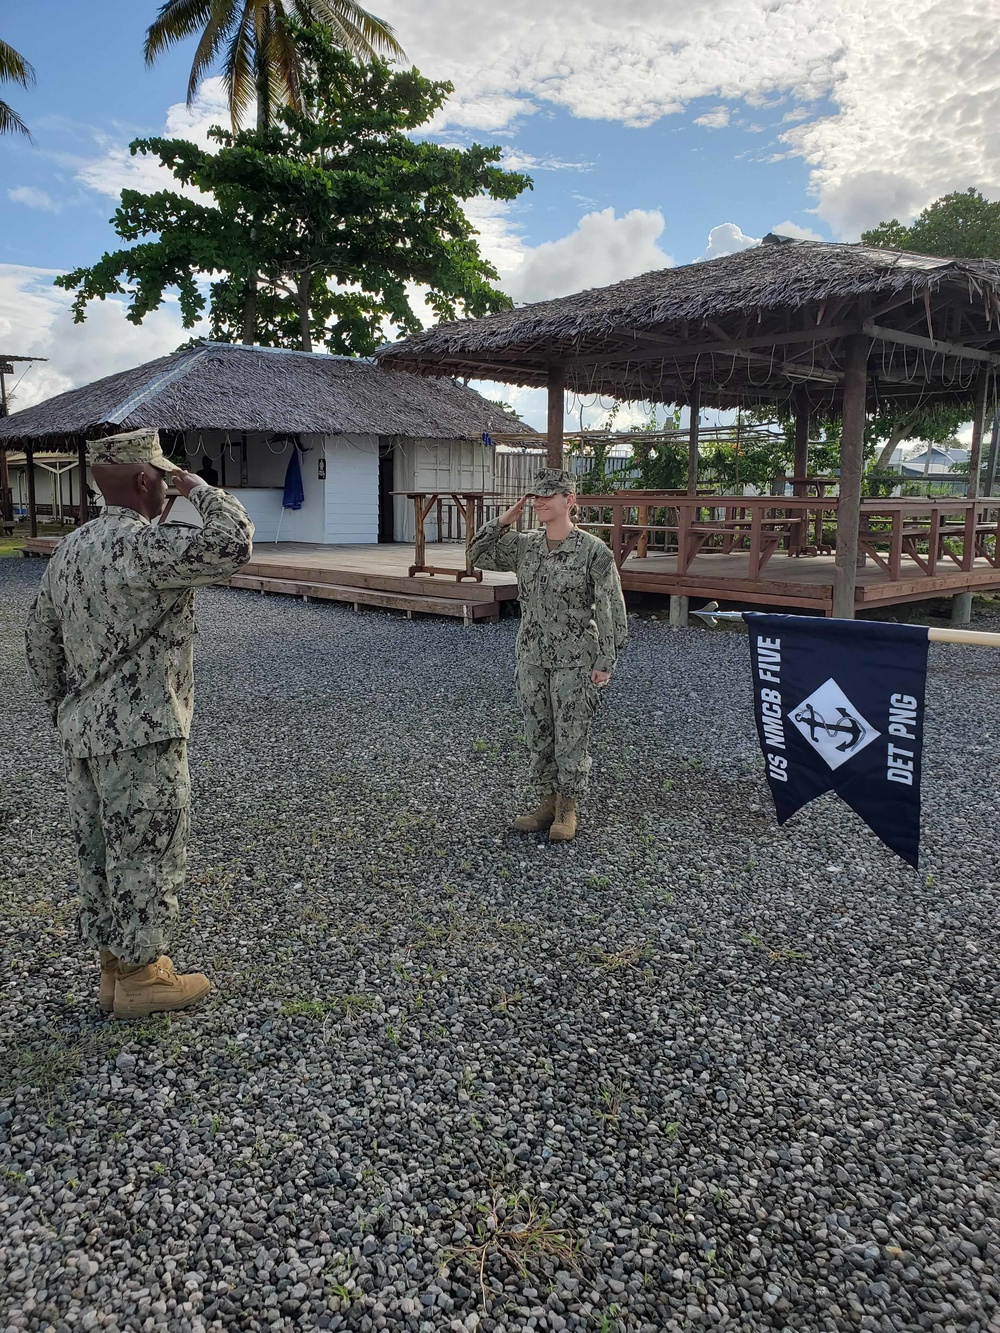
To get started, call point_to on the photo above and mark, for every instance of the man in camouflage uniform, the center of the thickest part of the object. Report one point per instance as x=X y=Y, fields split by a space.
x=109 y=646
x=572 y=625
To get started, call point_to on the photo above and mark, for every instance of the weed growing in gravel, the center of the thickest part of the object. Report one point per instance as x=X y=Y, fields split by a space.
x=56 y=1058
x=776 y=955
x=630 y=956
x=341 y=1006
x=507 y=998
x=518 y=1231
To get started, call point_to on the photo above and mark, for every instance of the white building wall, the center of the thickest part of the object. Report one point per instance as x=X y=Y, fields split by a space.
x=438 y=465
x=351 y=509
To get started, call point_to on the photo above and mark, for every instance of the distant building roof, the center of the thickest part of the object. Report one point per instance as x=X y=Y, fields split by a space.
x=232 y=387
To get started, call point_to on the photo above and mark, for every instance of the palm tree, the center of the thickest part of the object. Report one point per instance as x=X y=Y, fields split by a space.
x=260 y=61
x=13 y=69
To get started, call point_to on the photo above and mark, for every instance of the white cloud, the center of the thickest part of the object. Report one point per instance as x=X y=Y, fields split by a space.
x=32 y=197
x=716 y=119
x=603 y=249
x=117 y=169
x=36 y=320
x=727 y=239
x=797 y=232
x=912 y=84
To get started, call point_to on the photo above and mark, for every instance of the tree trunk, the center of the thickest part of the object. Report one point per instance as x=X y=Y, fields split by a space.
x=305 y=318
x=249 y=334
x=900 y=432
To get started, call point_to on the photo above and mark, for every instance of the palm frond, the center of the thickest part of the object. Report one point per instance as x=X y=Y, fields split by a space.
x=14 y=68
x=359 y=32
x=11 y=122
x=239 y=73
x=176 y=20
x=221 y=20
x=285 y=67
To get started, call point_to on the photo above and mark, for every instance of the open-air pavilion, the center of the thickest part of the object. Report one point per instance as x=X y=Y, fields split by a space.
x=810 y=329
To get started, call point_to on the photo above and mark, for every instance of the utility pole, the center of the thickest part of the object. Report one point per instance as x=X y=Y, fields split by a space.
x=6 y=499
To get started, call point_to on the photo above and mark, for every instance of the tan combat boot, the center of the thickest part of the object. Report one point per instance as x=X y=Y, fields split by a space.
x=539 y=818
x=155 y=988
x=564 y=827
x=109 y=975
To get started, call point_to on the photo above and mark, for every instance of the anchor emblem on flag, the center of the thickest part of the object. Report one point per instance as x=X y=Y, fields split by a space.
x=832 y=725
x=853 y=730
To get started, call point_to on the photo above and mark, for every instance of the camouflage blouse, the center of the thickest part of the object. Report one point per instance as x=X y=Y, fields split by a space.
x=110 y=636
x=572 y=608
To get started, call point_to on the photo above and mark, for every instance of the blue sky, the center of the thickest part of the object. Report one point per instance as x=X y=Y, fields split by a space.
x=648 y=130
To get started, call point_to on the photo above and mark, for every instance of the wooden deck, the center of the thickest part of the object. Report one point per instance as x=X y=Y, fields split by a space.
x=377 y=576
x=788 y=582
x=363 y=576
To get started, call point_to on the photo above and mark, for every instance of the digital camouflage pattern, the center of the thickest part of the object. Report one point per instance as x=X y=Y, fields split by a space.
x=572 y=608
x=573 y=622
x=110 y=643
x=110 y=637
x=553 y=481
x=558 y=706
x=129 y=813
x=131 y=446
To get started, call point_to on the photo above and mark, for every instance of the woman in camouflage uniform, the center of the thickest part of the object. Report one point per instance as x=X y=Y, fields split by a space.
x=572 y=626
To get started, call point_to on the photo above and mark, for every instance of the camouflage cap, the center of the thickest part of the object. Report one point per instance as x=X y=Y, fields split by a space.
x=132 y=446
x=553 y=481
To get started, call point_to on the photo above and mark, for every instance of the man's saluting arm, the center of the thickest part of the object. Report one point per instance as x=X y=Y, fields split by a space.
x=181 y=557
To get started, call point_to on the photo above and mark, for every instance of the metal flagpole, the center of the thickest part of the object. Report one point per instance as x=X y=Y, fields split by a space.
x=976 y=637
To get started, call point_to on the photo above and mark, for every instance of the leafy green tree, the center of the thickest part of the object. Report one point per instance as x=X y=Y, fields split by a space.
x=13 y=69
x=261 y=61
x=337 y=212
x=962 y=225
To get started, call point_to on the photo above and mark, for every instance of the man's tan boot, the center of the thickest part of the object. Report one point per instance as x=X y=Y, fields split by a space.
x=564 y=827
x=155 y=988
x=539 y=818
x=109 y=975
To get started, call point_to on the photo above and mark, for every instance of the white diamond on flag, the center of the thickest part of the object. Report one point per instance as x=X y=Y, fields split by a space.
x=832 y=725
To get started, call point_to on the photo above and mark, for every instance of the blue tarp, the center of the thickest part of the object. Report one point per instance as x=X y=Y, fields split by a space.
x=294 y=492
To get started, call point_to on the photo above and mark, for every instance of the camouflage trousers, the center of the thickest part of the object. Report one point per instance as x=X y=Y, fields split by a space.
x=129 y=813
x=559 y=704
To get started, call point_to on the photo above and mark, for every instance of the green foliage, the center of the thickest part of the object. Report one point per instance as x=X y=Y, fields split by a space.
x=962 y=225
x=333 y=213
x=263 y=64
x=13 y=69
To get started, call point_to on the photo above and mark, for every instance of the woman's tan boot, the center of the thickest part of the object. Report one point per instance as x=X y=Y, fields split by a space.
x=539 y=818
x=109 y=974
x=564 y=827
x=155 y=988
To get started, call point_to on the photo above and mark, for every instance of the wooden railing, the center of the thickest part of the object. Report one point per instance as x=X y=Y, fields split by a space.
x=929 y=532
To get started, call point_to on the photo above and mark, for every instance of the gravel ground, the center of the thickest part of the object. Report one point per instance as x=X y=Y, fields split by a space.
x=689 y=1071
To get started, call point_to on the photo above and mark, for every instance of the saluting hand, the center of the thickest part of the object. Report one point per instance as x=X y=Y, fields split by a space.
x=600 y=678
x=511 y=515
x=185 y=482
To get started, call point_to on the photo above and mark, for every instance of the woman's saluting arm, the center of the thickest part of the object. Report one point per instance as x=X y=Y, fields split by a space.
x=495 y=546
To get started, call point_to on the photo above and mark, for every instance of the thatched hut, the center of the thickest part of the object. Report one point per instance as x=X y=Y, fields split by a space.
x=364 y=434
x=805 y=326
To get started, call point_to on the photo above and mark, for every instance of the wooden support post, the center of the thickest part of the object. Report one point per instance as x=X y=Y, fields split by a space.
x=29 y=458
x=81 y=458
x=852 y=450
x=678 y=611
x=557 y=414
x=800 y=467
x=991 y=466
x=695 y=410
x=6 y=499
x=961 y=608
x=978 y=428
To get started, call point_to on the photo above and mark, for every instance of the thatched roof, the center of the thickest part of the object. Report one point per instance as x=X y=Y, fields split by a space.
x=225 y=386
x=726 y=323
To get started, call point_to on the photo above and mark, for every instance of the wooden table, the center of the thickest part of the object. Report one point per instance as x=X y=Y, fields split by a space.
x=469 y=505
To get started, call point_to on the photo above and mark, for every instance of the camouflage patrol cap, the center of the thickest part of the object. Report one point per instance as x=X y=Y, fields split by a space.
x=553 y=481
x=132 y=446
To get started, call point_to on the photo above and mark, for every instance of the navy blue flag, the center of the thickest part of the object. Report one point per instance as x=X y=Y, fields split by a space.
x=294 y=492
x=839 y=706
